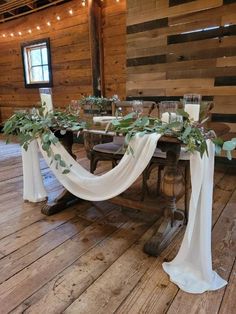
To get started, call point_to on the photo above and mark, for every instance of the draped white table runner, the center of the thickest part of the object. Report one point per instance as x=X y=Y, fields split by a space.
x=191 y=270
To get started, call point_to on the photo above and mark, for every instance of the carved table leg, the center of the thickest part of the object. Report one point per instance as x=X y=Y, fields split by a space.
x=64 y=199
x=172 y=186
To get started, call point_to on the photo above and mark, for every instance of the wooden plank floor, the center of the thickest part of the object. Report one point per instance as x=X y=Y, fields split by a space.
x=89 y=258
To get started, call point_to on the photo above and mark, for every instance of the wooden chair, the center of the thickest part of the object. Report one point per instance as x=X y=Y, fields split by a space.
x=112 y=151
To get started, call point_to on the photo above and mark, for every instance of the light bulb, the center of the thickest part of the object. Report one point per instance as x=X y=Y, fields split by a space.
x=71 y=11
x=48 y=23
x=30 y=31
x=12 y=34
x=83 y=3
x=58 y=18
x=38 y=27
x=20 y=33
x=3 y=35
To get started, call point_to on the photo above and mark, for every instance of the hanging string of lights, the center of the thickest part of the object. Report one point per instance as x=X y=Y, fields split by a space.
x=38 y=27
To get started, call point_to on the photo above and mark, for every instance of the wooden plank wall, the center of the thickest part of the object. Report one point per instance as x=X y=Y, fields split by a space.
x=177 y=47
x=114 y=39
x=70 y=51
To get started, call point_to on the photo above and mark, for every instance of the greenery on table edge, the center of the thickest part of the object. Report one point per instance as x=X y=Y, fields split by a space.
x=98 y=102
x=192 y=134
x=37 y=124
x=28 y=126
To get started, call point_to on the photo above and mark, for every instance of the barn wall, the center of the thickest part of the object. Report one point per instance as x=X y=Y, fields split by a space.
x=177 y=47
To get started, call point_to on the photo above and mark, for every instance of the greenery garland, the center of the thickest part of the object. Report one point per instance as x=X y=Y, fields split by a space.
x=37 y=124
x=190 y=133
x=28 y=126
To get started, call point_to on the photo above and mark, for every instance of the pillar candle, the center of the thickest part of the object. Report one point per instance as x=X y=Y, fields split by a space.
x=47 y=99
x=193 y=110
x=165 y=117
x=168 y=117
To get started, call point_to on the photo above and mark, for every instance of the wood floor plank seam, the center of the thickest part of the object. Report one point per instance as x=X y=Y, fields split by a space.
x=13 y=291
x=72 y=209
x=49 y=250
x=214 y=251
x=225 y=290
x=128 y=247
x=222 y=179
x=96 y=223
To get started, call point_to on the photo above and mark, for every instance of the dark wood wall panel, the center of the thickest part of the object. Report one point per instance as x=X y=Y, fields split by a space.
x=114 y=39
x=178 y=47
x=70 y=52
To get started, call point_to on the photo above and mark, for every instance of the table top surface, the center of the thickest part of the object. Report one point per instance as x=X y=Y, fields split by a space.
x=219 y=128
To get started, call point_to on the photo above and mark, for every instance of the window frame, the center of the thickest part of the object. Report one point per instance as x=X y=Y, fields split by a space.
x=27 y=65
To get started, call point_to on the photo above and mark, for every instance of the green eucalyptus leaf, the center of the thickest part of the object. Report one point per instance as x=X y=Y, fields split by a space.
x=229 y=145
x=65 y=171
x=183 y=113
x=217 y=149
x=187 y=131
x=62 y=163
x=141 y=134
x=57 y=157
x=45 y=146
x=218 y=141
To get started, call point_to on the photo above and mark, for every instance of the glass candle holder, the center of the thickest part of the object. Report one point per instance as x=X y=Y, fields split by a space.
x=137 y=107
x=167 y=111
x=192 y=106
x=75 y=107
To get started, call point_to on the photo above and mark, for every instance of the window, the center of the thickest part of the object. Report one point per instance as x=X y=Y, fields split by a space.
x=37 y=63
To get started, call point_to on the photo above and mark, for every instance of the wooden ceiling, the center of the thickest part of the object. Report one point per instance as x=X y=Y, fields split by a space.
x=11 y=9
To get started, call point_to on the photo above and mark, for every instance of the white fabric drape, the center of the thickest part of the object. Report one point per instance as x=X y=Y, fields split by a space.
x=34 y=190
x=90 y=187
x=191 y=269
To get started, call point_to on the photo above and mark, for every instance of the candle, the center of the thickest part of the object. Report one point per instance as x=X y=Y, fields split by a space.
x=193 y=110
x=47 y=100
x=165 y=117
x=168 y=117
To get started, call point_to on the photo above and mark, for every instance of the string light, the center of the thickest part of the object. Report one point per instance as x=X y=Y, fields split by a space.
x=83 y=2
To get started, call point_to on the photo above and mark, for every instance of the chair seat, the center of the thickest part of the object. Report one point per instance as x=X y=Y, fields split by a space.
x=109 y=148
x=184 y=155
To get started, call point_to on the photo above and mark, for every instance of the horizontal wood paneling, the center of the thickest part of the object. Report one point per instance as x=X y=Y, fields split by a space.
x=114 y=41
x=192 y=51
x=70 y=52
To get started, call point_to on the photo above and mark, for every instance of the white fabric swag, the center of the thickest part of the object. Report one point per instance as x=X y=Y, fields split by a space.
x=191 y=270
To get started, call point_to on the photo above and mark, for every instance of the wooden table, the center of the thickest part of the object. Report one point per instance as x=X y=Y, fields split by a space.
x=172 y=187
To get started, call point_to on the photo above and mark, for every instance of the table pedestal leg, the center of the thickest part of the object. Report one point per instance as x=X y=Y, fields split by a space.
x=64 y=199
x=172 y=187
